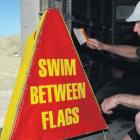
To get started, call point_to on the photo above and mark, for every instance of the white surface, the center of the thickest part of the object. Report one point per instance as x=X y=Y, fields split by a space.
x=29 y=18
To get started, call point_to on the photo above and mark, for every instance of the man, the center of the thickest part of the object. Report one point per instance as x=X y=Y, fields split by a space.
x=128 y=100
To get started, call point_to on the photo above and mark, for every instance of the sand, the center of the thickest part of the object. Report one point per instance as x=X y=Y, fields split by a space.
x=9 y=65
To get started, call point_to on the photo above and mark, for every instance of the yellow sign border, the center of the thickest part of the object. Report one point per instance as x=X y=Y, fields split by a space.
x=25 y=65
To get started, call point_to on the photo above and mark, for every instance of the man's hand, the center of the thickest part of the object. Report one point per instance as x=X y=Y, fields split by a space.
x=109 y=104
x=95 y=44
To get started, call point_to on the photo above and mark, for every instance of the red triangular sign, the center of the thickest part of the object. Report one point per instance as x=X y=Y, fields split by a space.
x=58 y=102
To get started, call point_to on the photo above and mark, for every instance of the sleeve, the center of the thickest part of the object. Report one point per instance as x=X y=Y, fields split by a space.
x=138 y=52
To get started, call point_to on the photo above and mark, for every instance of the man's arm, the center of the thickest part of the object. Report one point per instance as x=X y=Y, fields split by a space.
x=122 y=50
x=132 y=101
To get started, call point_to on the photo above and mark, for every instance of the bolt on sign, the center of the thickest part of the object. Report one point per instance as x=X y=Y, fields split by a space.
x=52 y=99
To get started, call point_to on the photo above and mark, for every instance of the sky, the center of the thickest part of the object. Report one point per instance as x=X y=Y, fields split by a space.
x=9 y=17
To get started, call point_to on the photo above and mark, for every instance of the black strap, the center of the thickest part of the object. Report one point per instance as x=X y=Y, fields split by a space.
x=133 y=134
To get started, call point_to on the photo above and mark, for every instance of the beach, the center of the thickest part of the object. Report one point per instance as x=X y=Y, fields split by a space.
x=9 y=65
